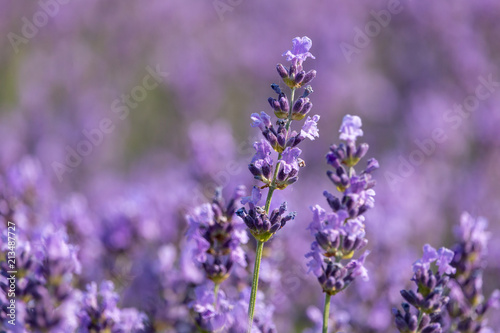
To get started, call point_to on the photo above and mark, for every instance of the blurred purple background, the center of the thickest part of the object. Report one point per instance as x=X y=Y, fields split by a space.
x=158 y=96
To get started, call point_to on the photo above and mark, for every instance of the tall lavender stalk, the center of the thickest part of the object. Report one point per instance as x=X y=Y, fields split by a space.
x=339 y=234
x=283 y=141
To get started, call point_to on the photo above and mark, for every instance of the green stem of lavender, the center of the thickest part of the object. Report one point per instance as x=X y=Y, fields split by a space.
x=255 y=284
x=326 y=313
x=260 y=245
x=216 y=293
x=420 y=315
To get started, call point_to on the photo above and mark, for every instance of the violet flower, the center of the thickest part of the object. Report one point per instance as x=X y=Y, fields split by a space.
x=468 y=306
x=341 y=233
x=300 y=50
x=99 y=312
x=217 y=236
x=284 y=141
x=429 y=300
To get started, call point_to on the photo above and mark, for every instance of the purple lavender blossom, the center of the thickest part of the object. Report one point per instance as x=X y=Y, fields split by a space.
x=99 y=311
x=211 y=315
x=351 y=128
x=310 y=128
x=300 y=50
x=217 y=236
x=340 y=234
x=468 y=306
x=429 y=300
x=261 y=120
x=261 y=225
x=442 y=257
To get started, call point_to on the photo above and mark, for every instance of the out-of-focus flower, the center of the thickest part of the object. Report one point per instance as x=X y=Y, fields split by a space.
x=99 y=311
x=217 y=236
x=468 y=306
x=429 y=301
x=350 y=128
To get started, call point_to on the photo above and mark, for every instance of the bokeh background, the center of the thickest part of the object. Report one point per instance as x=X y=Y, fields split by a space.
x=124 y=203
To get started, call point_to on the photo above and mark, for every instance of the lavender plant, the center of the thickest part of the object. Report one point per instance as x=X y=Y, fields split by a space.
x=99 y=312
x=467 y=305
x=429 y=301
x=48 y=300
x=217 y=238
x=341 y=233
x=281 y=139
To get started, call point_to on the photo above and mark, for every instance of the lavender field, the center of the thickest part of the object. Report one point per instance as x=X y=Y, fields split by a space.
x=238 y=166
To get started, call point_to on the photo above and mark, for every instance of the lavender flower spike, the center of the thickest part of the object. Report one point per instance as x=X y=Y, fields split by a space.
x=218 y=237
x=341 y=233
x=467 y=306
x=429 y=300
x=282 y=139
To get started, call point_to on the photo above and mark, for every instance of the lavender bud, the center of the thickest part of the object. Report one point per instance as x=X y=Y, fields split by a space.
x=281 y=139
x=275 y=228
x=293 y=70
x=299 y=77
x=282 y=71
x=348 y=244
x=362 y=150
x=283 y=208
x=297 y=106
x=275 y=105
x=284 y=103
x=424 y=321
x=266 y=170
x=372 y=165
x=433 y=328
x=276 y=88
x=307 y=91
x=291 y=180
x=305 y=110
x=255 y=171
x=309 y=77
x=271 y=137
x=323 y=241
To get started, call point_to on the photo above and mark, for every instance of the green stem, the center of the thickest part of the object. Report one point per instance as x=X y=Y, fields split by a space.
x=289 y=121
x=326 y=313
x=216 y=293
x=255 y=284
x=420 y=315
x=260 y=245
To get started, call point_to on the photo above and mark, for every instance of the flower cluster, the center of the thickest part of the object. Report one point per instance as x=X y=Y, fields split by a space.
x=218 y=313
x=99 y=312
x=340 y=233
x=280 y=138
x=46 y=299
x=467 y=305
x=218 y=237
x=211 y=313
x=429 y=300
x=258 y=222
x=45 y=277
